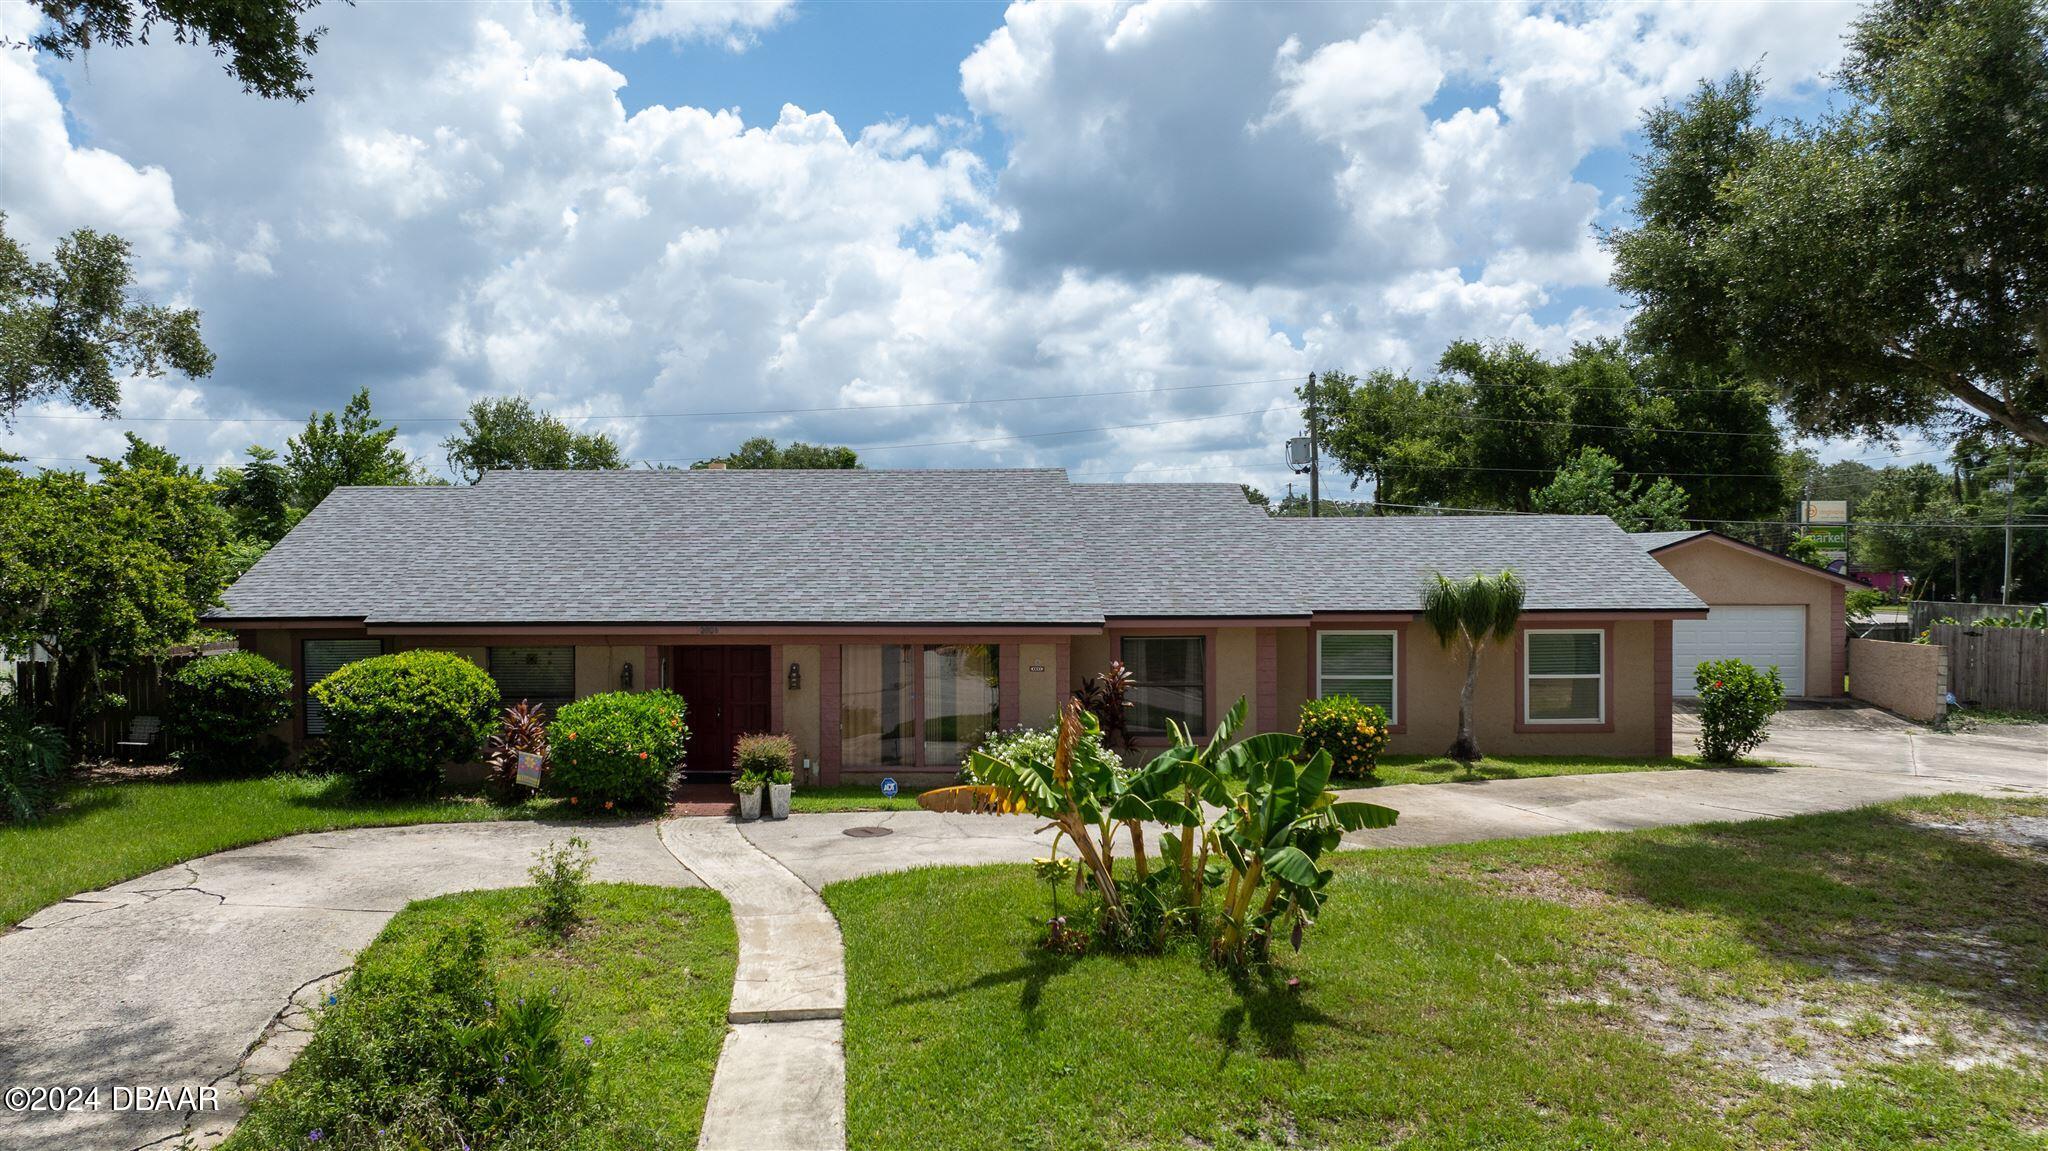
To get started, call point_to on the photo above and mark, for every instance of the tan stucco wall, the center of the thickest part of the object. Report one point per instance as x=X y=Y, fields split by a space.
x=277 y=647
x=480 y=656
x=1237 y=670
x=800 y=707
x=598 y=667
x=1908 y=678
x=1038 y=692
x=1722 y=573
x=1435 y=676
x=1089 y=656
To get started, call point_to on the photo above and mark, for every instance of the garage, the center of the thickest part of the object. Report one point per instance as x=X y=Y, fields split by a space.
x=1772 y=635
x=1762 y=608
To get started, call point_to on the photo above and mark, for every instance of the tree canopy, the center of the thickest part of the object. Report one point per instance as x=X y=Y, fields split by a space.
x=351 y=450
x=1883 y=267
x=261 y=40
x=761 y=452
x=1498 y=422
x=508 y=433
x=106 y=572
x=72 y=327
x=1589 y=484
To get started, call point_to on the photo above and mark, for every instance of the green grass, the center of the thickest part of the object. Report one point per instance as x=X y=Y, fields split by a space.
x=1395 y=769
x=1963 y=718
x=855 y=797
x=648 y=976
x=113 y=832
x=1490 y=995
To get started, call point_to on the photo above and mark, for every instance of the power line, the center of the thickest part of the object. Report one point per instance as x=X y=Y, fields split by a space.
x=703 y=414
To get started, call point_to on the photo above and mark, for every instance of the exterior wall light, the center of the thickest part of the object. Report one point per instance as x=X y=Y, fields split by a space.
x=625 y=677
x=796 y=676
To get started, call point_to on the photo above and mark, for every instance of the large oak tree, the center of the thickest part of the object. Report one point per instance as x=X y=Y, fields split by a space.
x=1884 y=267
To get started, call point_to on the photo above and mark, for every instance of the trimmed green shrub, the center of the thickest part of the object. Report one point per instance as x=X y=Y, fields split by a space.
x=1355 y=734
x=772 y=757
x=221 y=709
x=424 y=1047
x=394 y=720
x=32 y=761
x=1736 y=705
x=621 y=747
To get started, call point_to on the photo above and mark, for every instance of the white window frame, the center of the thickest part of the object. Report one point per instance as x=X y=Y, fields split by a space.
x=1393 y=677
x=1606 y=669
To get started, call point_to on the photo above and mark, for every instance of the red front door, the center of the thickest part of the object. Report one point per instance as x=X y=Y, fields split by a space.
x=726 y=693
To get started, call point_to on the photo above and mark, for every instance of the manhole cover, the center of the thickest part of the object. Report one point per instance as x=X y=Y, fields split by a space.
x=865 y=832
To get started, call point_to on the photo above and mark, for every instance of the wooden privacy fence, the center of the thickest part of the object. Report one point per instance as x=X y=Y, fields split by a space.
x=1996 y=667
x=1921 y=614
x=142 y=686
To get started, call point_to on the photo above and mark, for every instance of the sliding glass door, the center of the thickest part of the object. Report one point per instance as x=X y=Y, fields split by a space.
x=877 y=688
x=909 y=706
x=959 y=700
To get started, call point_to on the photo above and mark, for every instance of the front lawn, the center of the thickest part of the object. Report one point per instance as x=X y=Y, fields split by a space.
x=1876 y=978
x=111 y=832
x=856 y=797
x=1395 y=769
x=647 y=976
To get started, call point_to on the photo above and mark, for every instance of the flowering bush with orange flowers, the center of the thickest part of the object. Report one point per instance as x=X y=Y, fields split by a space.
x=1354 y=733
x=621 y=747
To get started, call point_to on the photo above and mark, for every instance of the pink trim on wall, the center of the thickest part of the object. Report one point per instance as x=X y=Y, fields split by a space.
x=720 y=634
x=1838 y=639
x=778 y=686
x=1266 y=715
x=1660 y=703
x=1062 y=655
x=828 y=714
x=1607 y=677
x=1396 y=624
x=1009 y=692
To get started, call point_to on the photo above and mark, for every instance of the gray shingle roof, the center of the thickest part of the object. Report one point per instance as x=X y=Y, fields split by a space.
x=1652 y=541
x=893 y=547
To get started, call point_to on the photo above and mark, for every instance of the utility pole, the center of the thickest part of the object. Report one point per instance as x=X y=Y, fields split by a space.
x=1315 y=455
x=2005 y=588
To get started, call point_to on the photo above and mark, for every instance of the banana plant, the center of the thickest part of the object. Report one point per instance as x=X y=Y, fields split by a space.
x=1271 y=840
x=1087 y=796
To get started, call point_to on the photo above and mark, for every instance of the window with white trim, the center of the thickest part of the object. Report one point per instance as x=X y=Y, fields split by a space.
x=1360 y=664
x=1565 y=676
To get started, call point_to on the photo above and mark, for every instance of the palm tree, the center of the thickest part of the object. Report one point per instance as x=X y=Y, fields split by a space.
x=1471 y=612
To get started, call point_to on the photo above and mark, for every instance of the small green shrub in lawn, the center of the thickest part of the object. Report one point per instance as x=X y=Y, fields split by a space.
x=772 y=757
x=394 y=720
x=221 y=708
x=1736 y=703
x=621 y=747
x=1355 y=734
x=32 y=761
x=558 y=872
x=425 y=1047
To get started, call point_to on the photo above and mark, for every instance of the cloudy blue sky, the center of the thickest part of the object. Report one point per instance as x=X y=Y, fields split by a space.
x=692 y=223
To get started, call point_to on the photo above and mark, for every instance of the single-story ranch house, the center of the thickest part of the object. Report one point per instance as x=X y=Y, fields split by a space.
x=886 y=619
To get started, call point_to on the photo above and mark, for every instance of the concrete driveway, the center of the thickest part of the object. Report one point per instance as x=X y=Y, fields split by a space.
x=170 y=980
x=1870 y=739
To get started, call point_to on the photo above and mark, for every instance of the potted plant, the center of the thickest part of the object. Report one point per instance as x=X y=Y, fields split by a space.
x=747 y=786
x=772 y=760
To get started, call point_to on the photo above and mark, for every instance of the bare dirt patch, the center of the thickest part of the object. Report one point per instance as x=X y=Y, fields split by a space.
x=1533 y=882
x=1810 y=1033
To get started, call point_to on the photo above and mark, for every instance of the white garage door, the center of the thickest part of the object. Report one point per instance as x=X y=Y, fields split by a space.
x=1759 y=636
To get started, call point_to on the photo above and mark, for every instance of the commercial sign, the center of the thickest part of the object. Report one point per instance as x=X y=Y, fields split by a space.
x=1826 y=523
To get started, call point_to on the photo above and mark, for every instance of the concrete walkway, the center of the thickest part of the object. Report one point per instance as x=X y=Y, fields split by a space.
x=196 y=975
x=781 y=1079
